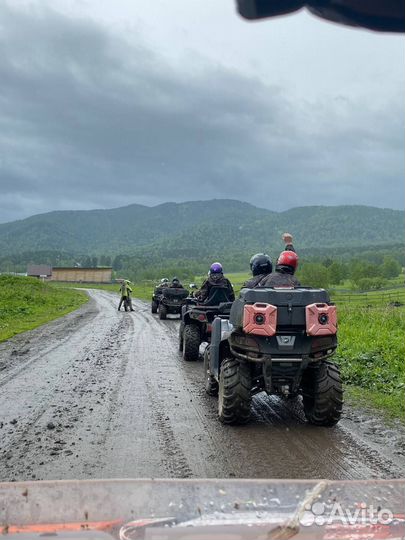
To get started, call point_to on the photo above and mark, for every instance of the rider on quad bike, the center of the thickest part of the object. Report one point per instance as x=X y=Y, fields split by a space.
x=214 y=299
x=175 y=284
x=164 y=282
x=215 y=279
x=261 y=265
x=284 y=274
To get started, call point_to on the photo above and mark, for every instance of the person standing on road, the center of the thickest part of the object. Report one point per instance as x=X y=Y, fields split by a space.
x=125 y=291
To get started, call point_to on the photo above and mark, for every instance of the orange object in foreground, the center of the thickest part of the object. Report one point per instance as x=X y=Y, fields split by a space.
x=52 y=528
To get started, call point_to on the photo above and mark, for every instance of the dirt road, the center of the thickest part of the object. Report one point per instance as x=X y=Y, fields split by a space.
x=102 y=394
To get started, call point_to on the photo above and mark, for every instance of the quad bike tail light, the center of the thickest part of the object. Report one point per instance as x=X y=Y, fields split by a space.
x=260 y=319
x=320 y=319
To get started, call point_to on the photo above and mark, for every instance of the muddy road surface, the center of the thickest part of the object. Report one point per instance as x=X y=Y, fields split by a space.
x=102 y=394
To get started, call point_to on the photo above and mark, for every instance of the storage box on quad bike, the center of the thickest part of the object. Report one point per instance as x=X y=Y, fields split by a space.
x=291 y=304
x=283 y=323
x=172 y=295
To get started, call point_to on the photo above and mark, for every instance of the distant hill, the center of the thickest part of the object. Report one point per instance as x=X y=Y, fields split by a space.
x=193 y=228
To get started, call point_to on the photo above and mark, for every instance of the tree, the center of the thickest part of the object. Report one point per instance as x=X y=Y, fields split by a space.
x=314 y=275
x=86 y=262
x=105 y=260
x=362 y=269
x=371 y=284
x=337 y=273
x=117 y=263
x=390 y=268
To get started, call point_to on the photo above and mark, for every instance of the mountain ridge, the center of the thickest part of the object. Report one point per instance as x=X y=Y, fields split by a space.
x=217 y=224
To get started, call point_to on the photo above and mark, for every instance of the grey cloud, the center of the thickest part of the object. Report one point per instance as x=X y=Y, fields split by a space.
x=88 y=119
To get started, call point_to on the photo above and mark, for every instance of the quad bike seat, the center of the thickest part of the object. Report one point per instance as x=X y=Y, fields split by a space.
x=218 y=295
x=225 y=308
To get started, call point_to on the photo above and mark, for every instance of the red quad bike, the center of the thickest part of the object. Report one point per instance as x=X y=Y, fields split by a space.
x=277 y=340
x=197 y=318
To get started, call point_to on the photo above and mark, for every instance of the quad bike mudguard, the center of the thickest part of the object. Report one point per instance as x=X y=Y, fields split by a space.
x=221 y=330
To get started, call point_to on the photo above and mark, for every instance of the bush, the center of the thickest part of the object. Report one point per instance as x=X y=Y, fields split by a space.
x=370 y=284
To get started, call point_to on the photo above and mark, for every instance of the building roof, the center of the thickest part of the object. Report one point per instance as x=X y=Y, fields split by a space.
x=82 y=268
x=39 y=270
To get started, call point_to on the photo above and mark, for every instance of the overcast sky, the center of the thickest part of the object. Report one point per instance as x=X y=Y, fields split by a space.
x=107 y=103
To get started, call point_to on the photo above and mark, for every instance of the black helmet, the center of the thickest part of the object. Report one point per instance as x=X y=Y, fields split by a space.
x=175 y=280
x=260 y=264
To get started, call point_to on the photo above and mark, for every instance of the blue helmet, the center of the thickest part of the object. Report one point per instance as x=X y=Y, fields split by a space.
x=216 y=268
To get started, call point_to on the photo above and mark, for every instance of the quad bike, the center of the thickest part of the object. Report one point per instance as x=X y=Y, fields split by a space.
x=197 y=318
x=278 y=341
x=170 y=300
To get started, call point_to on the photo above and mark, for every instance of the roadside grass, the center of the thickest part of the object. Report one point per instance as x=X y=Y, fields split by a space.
x=371 y=356
x=391 y=406
x=26 y=303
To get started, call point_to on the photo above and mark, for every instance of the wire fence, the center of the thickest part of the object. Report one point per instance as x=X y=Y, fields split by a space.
x=393 y=297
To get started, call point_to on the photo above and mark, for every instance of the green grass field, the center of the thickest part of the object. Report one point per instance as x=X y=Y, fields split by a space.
x=371 y=355
x=26 y=303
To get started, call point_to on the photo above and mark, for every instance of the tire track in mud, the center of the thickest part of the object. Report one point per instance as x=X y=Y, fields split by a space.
x=170 y=403
x=174 y=461
x=176 y=465
x=123 y=403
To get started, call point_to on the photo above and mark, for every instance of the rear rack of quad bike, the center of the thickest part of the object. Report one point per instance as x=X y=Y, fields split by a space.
x=260 y=319
x=208 y=313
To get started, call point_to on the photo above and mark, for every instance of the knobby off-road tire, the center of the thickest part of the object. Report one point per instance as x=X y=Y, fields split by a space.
x=235 y=396
x=181 y=330
x=162 y=311
x=154 y=306
x=210 y=383
x=322 y=394
x=191 y=342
